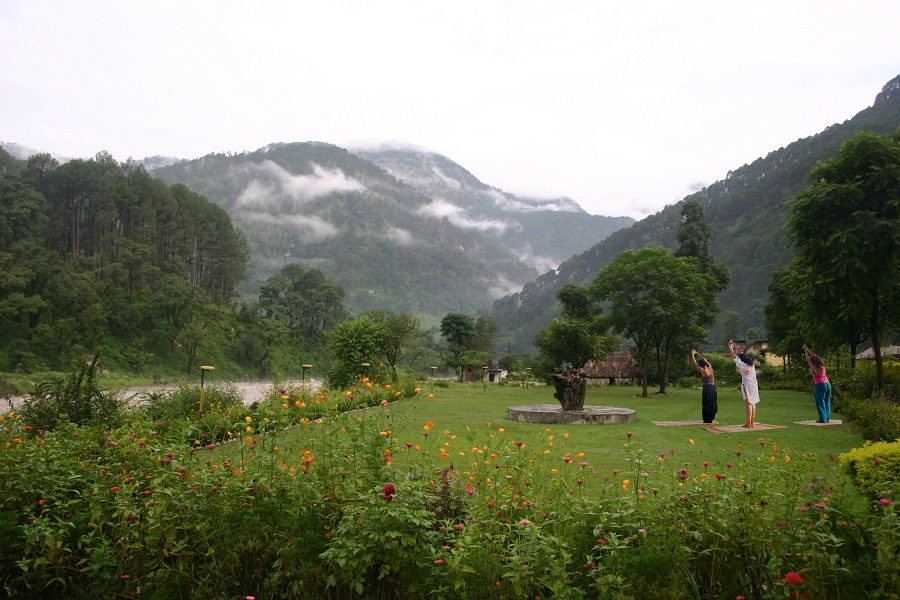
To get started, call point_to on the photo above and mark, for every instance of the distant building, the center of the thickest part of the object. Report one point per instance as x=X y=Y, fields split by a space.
x=869 y=354
x=489 y=372
x=611 y=369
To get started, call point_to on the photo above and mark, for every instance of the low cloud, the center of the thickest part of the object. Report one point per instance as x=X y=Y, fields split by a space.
x=401 y=237
x=440 y=209
x=312 y=228
x=502 y=288
x=450 y=182
x=512 y=203
x=275 y=185
x=541 y=264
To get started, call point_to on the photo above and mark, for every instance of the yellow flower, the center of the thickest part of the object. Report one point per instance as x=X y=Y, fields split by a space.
x=566 y=435
x=384 y=402
x=396 y=394
x=771 y=459
x=417 y=390
x=431 y=395
x=501 y=430
x=248 y=419
x=787 y=459
x=285 y=404
x=428 y=426
x=249 y=429
x=285 y=397
x=693 y=443
x=387 y=387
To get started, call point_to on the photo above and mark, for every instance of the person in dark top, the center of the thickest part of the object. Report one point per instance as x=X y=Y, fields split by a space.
x=709 y=397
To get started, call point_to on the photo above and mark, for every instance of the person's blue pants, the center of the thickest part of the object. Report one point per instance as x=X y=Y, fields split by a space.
x=822 y=392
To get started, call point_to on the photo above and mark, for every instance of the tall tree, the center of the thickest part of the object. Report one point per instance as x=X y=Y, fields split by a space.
x=459 y=331
x=580 y=336
x=693 y=237
x=845 y=229
x=354 y=342
x=400 y=329
x=656 y=300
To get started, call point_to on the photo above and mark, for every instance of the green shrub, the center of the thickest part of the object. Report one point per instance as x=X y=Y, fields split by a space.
x=878 y=418
x=78 y=399
x=874 y=467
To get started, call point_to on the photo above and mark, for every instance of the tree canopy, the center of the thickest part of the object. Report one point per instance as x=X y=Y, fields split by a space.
x=845 y=230
x=657 y=300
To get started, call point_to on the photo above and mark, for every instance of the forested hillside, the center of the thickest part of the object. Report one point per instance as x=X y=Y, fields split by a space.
x=747 y=214
x=418 y=234
x=94 y=253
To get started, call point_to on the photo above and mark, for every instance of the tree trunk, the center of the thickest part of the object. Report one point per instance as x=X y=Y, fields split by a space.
x=570 y=389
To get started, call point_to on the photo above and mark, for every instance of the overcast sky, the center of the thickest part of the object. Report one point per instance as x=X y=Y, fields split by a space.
x=624 y=106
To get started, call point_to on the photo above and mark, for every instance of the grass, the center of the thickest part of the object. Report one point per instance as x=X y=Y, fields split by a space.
x=462 y=409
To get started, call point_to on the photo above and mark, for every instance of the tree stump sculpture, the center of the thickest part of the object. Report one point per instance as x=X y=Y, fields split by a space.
x=570 y=389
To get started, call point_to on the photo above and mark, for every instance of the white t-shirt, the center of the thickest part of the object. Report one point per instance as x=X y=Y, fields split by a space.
x=748 y=380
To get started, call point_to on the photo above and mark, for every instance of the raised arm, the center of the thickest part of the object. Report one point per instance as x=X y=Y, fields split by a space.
x=732 y=347
x=694 y=354
x=811 y=361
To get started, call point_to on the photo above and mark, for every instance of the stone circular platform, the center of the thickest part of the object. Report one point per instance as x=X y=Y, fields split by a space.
x=553 y=413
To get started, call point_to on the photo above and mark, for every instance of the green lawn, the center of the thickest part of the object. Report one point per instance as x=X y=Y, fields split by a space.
x=473 y=413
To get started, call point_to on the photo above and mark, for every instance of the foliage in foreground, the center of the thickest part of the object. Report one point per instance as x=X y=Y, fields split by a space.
x=343 y=508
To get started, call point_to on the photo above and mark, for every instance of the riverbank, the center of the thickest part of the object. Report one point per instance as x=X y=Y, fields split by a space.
x=251 y=391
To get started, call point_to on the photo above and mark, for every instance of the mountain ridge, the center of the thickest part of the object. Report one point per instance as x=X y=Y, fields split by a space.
x=746 y=210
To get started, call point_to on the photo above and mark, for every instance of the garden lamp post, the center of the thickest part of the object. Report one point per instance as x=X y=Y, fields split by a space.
x=365 y=367
x=433 y=369
x=484 y=369
x=203 y=370
x=527 y=373
x=305 y=367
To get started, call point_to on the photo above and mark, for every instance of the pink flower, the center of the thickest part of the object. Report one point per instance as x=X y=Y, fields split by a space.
x=629 y=434
x=886 y=501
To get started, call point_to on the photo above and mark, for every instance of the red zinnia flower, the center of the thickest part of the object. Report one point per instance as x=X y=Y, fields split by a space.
x=793 y=579
x=388 y=491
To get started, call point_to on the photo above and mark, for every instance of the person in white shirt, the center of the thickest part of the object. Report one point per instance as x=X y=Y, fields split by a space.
x=749 y=388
